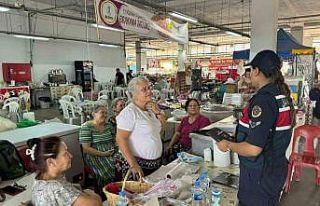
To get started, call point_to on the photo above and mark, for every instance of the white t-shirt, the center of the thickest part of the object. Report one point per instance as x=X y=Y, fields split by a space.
x=144 y=140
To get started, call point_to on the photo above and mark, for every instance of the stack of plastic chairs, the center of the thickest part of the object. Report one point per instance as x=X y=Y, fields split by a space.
x=70 y=110
x=13 y=109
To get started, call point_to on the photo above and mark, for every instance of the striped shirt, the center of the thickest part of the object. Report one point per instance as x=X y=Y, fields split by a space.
x=103 y=141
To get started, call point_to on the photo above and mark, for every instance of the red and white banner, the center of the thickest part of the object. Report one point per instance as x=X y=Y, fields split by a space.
x=120 y=15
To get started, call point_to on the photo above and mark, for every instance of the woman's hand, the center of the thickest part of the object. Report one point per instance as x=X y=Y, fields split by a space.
x=108 y=153
x=136 y=172
x=153 y=106
x=223 y=145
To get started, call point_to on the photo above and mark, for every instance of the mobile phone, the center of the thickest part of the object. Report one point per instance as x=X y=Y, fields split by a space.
x=11 y=190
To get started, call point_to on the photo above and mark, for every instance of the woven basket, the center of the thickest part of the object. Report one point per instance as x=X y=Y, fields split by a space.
x=133 y=186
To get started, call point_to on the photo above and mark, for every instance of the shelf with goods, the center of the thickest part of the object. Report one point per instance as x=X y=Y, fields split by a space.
x=223 y=68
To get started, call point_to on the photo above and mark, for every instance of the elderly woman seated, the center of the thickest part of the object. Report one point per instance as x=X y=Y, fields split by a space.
x=117 y=106
x=52 y=160
x=138 y=132
x=181 y=140
x=98 y=145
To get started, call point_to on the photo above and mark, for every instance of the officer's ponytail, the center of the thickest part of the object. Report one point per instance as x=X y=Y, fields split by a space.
x=278 y=79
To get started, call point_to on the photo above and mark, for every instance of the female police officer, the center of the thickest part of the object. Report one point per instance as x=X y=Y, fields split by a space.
x=263 y=134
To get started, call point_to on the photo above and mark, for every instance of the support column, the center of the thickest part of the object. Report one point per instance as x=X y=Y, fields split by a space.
x=297 y=33
x=144 y=60
x=264 y=24
x=182 y=56
x=138 y=56
x=307 y=41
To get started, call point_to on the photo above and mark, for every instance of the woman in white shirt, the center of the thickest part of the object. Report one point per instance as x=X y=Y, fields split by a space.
x=138 y=132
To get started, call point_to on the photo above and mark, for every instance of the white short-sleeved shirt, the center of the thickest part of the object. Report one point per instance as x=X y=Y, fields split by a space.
x=144 y=140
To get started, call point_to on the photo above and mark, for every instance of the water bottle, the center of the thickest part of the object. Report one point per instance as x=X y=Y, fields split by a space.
x=216 y=196
x=122 y=199
x=197 y=195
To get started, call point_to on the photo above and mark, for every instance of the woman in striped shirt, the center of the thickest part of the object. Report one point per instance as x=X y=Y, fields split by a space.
x=98 y=145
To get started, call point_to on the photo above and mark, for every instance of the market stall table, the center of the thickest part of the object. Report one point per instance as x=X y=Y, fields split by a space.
x=68 y=133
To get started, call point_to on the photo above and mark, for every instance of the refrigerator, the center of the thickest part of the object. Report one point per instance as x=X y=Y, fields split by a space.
x=84 y=74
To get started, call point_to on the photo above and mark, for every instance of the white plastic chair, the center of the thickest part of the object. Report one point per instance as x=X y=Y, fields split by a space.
x=120 y=91
x=103 y=97
x=105 y=92
x=13 y=108
x=12 y=99
x=77 y=93
x=69 y=111
x=69 y=98
x=107 y=86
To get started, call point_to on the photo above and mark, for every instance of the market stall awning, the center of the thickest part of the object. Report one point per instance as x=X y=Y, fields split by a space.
x=287 y=46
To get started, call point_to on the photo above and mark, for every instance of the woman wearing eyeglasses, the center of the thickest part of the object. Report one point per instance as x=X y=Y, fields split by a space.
x=138 y=132
x=181 y=140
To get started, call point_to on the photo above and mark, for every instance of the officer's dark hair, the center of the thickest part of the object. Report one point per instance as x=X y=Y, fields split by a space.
x=278 y=79
x=189 y=101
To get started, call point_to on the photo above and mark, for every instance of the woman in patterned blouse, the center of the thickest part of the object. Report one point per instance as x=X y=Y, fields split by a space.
x=52 y=159
x=98 y=144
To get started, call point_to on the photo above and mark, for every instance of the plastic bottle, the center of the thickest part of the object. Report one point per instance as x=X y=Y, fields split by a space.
x=122 y=199
x=197 y=195
x=216 y=196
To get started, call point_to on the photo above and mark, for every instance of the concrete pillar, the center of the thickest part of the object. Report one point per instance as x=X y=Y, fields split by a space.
x=138 y=56
x=264 y=24
x=182 y=56
x=307 y=41
x=144 y=60
x=297 y=33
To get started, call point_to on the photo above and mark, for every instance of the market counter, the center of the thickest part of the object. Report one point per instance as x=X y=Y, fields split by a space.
x=68 y=133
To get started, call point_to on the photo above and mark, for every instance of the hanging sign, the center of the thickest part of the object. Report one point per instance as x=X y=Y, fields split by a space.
x=120 y=15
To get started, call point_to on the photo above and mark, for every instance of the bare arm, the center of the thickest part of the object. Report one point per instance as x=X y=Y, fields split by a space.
x=244 y=148
x=174 y=139
x=122 y=140
x=88 y=198
x=87 y=149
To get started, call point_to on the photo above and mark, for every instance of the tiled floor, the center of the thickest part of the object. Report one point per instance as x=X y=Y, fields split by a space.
x=303 y=193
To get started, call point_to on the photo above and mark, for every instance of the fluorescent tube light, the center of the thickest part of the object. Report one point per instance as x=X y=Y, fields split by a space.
x=109 y=45
x=4 y=9
x=183 y=17
x=32 y=37
x=107 y=27
x=232 y=33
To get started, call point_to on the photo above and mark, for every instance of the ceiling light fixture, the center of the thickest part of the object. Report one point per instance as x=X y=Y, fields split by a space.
x=107 y=27
x=232 y=33
x=109 y=45
x=4 y=9
x=31 y=37
x=183 y=17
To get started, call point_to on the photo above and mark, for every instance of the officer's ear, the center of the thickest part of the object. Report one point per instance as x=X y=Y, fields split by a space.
x=255 y=71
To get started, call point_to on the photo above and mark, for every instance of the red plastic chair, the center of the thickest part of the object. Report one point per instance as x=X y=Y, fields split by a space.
x=307 y=158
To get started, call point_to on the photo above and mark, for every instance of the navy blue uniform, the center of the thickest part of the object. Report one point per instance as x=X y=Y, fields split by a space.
x=266 y=124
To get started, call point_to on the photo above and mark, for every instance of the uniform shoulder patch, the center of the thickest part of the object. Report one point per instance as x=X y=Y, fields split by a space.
x=256 y=111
